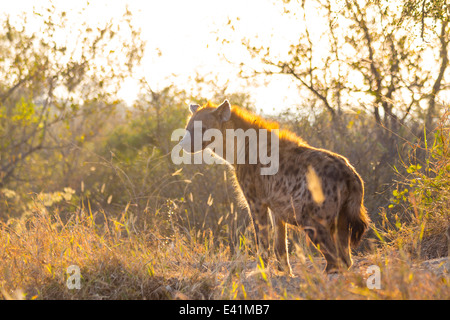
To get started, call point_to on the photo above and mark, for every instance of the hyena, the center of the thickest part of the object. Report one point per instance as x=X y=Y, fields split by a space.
x=314 y=189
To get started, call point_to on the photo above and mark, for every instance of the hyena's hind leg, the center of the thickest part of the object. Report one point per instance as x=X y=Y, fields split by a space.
x=342 y=236
x=280 y=247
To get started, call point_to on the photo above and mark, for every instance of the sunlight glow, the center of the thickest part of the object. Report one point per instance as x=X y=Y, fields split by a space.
x=185 y=39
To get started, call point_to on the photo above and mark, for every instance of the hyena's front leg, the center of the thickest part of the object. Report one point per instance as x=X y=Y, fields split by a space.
x=260 y=217
x=280 y=247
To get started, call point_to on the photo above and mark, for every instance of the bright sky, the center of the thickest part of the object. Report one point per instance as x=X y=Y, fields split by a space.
x=185 y=33
x=181 y=41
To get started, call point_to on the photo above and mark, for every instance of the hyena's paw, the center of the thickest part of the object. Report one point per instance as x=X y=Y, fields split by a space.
x=284 y=267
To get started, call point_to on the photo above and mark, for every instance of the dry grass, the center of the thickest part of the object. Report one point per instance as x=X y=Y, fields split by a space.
x=115 y=263
x=118 y=262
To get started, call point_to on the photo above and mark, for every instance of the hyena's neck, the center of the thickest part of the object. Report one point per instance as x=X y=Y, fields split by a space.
x=242 y=119
x=234 y=146
x=244 y=148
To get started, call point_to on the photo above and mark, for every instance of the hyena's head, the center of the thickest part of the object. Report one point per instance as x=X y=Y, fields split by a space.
x=202 y=119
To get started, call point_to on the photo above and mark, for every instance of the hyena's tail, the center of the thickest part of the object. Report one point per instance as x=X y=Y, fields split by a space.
x=359 y=226
x=356 y=214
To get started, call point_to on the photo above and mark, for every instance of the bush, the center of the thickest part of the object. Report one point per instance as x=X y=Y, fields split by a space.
x=419 y=213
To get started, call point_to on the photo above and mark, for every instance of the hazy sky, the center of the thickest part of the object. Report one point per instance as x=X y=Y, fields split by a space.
x=182 y=41
x=185 y=33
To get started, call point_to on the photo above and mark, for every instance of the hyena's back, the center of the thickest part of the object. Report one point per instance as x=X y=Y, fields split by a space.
x=317 y=187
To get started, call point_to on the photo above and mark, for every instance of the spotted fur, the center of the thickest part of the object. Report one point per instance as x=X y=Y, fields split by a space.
x=314 y=189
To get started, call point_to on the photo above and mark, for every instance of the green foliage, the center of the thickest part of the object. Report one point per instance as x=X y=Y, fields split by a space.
x=53 y=85
x=420 y=204
x=428 y=185
x=421 y=9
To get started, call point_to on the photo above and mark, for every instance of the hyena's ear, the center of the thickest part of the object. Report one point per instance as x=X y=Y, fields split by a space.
x=224 y=111
x=193 y=107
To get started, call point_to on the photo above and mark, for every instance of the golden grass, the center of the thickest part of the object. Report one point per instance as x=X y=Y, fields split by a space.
x=115 y=263
x=118 y=262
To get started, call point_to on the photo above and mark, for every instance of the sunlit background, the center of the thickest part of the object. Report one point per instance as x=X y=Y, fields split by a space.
x=201 y=38
x=91 y=93
x=185 y=39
